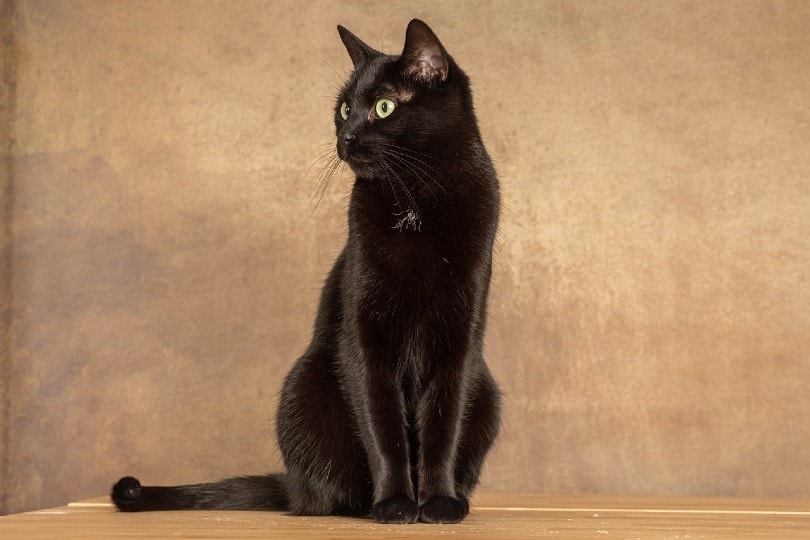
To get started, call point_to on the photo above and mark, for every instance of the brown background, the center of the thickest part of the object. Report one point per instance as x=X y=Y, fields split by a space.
x=162 y=256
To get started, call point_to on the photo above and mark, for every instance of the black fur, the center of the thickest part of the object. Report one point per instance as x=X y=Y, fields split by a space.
x=391 y=410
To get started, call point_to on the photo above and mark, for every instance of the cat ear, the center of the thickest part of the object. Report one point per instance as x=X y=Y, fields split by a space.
x=424 y=57
x=358 y=51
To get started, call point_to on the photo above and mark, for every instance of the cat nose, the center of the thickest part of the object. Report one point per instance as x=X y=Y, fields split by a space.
x=344 y=142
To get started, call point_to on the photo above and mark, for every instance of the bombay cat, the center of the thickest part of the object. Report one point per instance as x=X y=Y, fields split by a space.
x=391 y=410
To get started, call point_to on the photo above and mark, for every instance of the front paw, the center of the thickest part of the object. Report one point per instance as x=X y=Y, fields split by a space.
x=444 y=510
x=399 y=509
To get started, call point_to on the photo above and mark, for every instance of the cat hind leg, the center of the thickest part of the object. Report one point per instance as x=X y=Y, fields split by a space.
x=326 y=468
x=481 y=426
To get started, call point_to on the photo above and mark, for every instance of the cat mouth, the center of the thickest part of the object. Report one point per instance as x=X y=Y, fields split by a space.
x=352 y=155
x=359 y=159
x=364 y=166
x=361 y=163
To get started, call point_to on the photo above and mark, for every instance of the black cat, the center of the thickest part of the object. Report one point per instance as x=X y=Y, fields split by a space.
x=392 y=409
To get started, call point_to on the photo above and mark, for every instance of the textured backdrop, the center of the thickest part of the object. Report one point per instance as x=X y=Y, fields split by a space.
x=163 y=254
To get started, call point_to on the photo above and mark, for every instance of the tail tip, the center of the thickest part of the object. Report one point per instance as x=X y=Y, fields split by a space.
x=126 y=494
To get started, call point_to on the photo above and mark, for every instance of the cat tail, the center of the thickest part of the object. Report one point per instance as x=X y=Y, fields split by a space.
x=268 y=492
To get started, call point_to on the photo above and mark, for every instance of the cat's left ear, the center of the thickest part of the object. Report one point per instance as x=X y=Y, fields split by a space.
x=424 y=56
x=358 y=51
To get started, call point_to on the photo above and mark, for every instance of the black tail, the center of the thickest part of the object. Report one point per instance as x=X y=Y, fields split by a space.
x=242 y=493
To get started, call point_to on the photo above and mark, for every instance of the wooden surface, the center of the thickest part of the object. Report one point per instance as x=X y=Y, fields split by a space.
x=493 y=516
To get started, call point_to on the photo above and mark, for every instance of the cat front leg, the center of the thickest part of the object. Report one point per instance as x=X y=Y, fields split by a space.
x=387 y=446
x=440 y=421
x=379 y=405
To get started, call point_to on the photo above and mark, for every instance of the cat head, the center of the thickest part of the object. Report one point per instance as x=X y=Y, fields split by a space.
x=393 y=107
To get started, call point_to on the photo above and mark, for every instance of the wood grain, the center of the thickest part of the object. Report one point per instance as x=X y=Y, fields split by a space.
x=494 y=516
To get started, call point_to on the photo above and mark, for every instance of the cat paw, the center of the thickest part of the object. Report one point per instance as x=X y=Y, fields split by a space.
x=444 y=510
x=399 y=509
x=126 y=494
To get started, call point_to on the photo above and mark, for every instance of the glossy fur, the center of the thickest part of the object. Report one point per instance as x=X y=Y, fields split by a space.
x=391 y=410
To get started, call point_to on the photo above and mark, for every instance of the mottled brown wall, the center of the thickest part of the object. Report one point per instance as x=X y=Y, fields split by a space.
x=8 y=62
x=650 y=312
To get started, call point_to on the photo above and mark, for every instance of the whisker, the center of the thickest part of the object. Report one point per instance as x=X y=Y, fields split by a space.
x=322 y=162
x=382 y=164
x=417 y=167
x=416 y=164
x=325 y=154
x=411 y=169
x=340 y=71
x=336 y=86
x=332 y=172
x=411 y=200
x=414 y=153
x=411 y=155
x=328 y=171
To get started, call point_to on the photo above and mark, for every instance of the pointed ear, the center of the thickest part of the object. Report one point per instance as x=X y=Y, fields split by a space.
x=358 y=51
x=424 y=57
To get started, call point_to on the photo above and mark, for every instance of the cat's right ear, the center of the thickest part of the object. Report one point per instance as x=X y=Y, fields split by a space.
x=358 y=51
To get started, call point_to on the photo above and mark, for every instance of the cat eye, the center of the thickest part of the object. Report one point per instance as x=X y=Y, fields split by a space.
x=344 y=111
x=384 y=107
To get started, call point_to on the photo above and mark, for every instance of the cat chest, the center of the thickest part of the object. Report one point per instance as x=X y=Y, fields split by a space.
x=414 y=319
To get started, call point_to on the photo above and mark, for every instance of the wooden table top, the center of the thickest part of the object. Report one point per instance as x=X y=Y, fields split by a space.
x=494 y=515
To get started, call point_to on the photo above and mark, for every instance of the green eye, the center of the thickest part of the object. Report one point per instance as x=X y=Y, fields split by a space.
x=384 y=107
x=344 y=111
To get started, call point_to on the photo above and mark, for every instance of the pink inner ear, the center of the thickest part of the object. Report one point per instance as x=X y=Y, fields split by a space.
x=435 y=60
x=429 y=67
